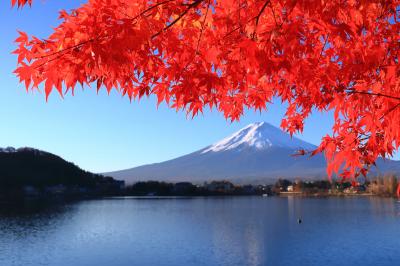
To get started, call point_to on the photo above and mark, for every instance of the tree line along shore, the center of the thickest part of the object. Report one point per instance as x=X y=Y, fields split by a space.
x=378 y=186
x=106 y=186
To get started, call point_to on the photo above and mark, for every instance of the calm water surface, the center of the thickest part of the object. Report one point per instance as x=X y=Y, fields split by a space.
x=203 y=231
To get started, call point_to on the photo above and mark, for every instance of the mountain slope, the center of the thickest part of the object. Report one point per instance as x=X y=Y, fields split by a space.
x=27 y=166
x=257 y=153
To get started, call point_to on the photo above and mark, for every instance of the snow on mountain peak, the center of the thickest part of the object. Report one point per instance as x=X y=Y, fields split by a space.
x=259 y=136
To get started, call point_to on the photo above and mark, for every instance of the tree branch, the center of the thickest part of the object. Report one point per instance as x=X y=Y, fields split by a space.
x=257 y=18
x=202 y=27
x=192 y=5
x=151 y=8
x=93 y=39
x=323 y=47
x=374 y=94
x=390 y=110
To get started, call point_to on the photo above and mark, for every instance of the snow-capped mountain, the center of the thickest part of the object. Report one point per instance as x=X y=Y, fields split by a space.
x=258 y=153
x=258 y=136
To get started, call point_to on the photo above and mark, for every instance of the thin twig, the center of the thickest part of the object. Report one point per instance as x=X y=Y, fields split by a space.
x=390 y=110
x=374 y=94
x=257 y=18
x=261 y=11
x=192 y=5
x=202 y=27
x=68 y=48
x=93 y=39
x=151 y=8
x=323 y=47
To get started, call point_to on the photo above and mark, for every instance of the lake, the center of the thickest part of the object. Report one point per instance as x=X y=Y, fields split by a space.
x=222 y=231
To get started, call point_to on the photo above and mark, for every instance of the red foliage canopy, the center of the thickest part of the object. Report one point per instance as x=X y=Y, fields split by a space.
x=20 y=2
x=233 y=54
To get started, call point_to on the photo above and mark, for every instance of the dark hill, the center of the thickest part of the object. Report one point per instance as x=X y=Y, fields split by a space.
x=32 y=167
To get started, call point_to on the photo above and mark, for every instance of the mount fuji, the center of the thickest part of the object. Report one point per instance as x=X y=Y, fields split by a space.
x=258 y=153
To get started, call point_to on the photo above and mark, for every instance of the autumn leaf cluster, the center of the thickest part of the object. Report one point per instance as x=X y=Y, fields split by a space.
x=315 y=55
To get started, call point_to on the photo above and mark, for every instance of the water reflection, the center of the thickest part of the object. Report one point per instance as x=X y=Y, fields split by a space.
x=29 y=218
x=203 y=231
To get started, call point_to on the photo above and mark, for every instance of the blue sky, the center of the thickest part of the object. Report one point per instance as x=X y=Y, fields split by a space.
x=100 y=132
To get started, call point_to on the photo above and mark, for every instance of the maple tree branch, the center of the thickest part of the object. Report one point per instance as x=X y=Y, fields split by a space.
x=238 y=27
x=202 y=27
x=62 y=52
x=323 y=47
x=68 y=48
x=232 y=31
x=190 y=6
x=198 y=41
x=49 y=60
x=374 y=94
x=151 y=8
x=390 y=110
x=93 y=39
x=257 y=18
x=273 y=13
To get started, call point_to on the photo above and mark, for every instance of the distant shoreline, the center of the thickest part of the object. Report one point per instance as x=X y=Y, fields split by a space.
x=52 y=201
x=284 y=188
x=301 y=194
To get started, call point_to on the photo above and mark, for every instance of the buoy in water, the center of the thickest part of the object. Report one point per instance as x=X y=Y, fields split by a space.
x=299 y=221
